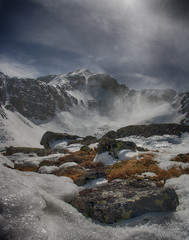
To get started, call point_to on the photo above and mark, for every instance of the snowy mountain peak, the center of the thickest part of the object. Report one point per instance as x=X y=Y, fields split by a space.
x=81 y=72
x=2 y=75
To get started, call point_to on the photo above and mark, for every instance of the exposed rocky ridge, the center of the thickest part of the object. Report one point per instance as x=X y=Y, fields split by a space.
x=41 y=98
x=121 y=200
x=148 y=130
x=108 y=142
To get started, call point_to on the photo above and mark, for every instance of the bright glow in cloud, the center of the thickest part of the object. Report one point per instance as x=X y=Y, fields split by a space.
x=120 y=37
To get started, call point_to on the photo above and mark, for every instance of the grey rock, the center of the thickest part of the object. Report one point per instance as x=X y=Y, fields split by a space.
x=85 y=141
x=124 y=199
x=50 y=137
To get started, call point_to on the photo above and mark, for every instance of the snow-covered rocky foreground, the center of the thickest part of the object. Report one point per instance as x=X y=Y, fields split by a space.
x=36 y=206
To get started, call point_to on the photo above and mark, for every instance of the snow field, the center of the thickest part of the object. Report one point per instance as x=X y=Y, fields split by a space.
x=35 y=206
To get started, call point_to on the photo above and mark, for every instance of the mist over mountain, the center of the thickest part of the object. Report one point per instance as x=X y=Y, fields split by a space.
x=84 y=103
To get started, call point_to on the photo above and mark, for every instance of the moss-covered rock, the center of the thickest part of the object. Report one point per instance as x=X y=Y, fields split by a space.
x=50 y=137
x=125 y=199
x=114 y=146
x=85 y=148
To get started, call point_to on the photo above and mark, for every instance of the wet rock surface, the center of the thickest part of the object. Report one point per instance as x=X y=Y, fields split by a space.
x=124 y=199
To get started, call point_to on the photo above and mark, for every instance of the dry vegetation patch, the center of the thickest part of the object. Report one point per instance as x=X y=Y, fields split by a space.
x=184 y=158
x=23 y=168
x=146 y=163
x=74 y=173
x=78 y=157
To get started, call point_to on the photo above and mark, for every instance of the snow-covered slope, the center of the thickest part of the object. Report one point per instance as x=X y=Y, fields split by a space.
x=18 y=131
x=84 y=103
x=184 y=108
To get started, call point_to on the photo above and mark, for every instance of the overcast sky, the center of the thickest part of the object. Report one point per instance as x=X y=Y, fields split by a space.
x=142 y=43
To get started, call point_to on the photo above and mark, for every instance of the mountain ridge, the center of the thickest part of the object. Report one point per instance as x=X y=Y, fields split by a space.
x=86 y=103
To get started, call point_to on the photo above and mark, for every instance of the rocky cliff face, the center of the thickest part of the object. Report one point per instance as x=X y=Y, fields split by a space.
x=40 y=98
x=184 y=109
x=86 y=100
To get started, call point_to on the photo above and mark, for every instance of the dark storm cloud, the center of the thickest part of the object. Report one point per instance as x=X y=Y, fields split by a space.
x=173 y=8
x=143 y=43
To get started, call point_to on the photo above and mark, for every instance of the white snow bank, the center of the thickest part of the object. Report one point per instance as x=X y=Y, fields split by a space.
x=33 y=159
x=108 y=159
x=148 y=174
x=96 y=183
x=168 y=146
x=29 y=200
x=126 y=154
x=64 y=144
x=68 y=164
x=181 y=186
x=93 y=145
x=74 y=147
x=60 y=144
x=48 y=169
x=6 y=161
x=104 y=158
x=18 y=131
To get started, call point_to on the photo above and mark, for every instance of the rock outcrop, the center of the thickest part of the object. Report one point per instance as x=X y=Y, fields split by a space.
x=148 y=130
x=49 y=137
x=114 y=146
x=124 y=199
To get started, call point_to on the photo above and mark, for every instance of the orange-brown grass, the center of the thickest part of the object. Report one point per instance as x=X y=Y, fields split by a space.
x=73 y=172
x=171 y=173
x=91 y=165
x=78 y=157
x=75 y=177
x=25 y=168
x=135 y=167
x=181 y=158
x=129 y=169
